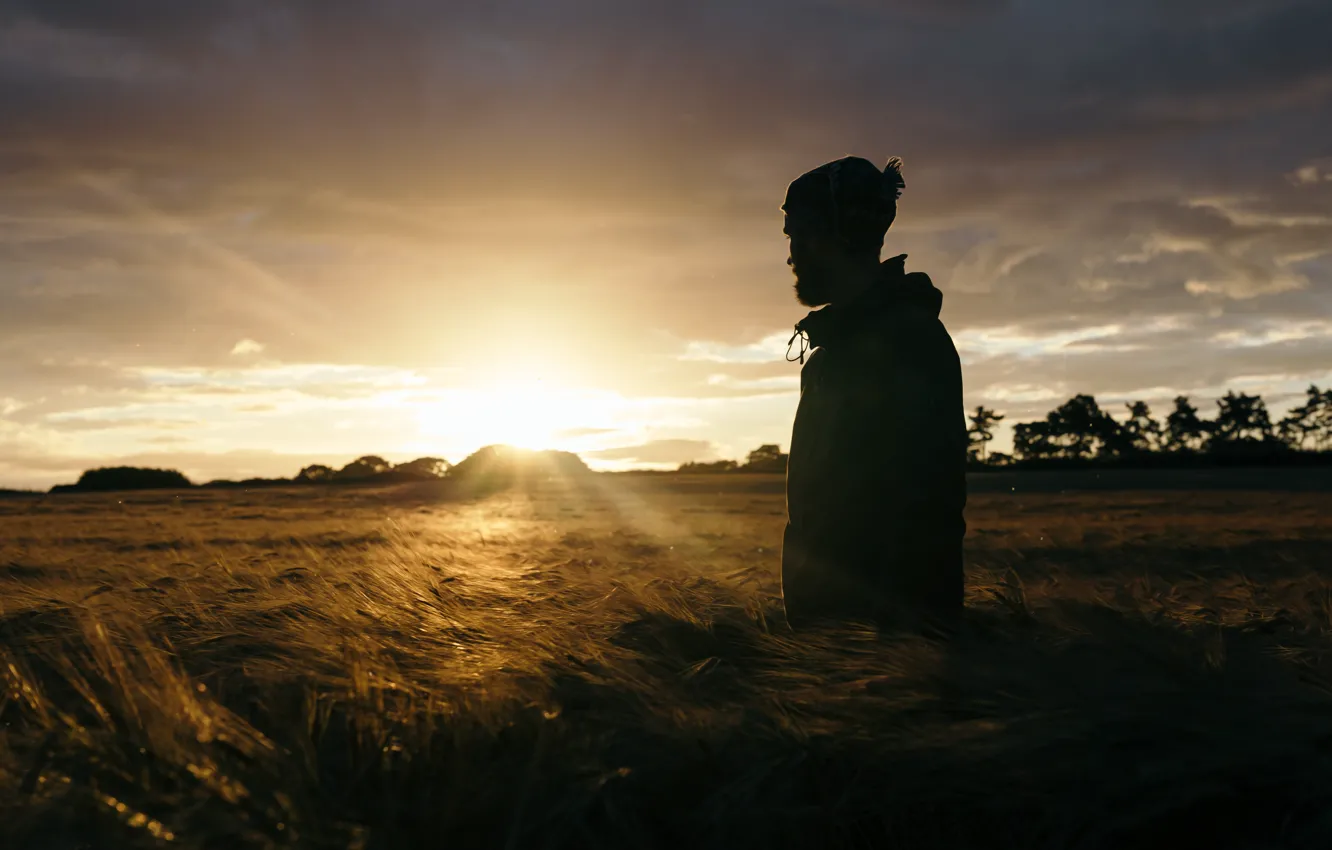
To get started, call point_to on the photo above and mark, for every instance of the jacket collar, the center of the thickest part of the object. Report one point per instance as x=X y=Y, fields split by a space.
x=893 y=290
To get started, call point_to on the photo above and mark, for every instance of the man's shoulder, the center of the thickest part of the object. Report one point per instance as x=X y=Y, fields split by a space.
x=907 y=343
x=893 y=330
x=814 y=362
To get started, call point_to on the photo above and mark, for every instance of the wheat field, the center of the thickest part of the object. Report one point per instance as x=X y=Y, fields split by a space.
x=602 y=662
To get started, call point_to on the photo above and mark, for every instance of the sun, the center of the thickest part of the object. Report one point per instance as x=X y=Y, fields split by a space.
x=523 y=413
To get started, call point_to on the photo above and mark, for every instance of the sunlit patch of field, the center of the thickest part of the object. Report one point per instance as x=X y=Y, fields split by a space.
x=604 y=664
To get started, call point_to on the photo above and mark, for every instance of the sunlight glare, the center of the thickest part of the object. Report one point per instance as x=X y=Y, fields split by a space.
x=523 y=413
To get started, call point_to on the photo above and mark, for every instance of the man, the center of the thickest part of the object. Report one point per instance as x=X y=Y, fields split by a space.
x=876 y=481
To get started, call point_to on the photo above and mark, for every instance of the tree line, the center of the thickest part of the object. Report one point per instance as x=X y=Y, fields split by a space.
x=374 y=467
x=1080 y=431
x=490 y=466
x=766 y=458
x=367 y=469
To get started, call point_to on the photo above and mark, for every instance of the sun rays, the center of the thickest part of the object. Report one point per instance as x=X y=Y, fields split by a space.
x=526 y=413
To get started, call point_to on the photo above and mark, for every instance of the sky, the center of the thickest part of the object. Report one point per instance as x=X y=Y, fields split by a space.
x=238 y=237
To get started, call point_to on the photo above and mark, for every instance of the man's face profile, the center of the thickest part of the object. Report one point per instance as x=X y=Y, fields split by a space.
x=810 y=262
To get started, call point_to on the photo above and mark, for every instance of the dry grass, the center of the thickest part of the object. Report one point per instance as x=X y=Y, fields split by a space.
x=606 y=665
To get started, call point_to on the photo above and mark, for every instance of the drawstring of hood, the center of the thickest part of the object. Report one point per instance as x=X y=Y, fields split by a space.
x=804 y=344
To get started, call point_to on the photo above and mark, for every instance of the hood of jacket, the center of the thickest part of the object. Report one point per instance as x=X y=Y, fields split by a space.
x=895 y=290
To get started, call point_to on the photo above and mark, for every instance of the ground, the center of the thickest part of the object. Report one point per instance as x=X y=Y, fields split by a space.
x=604 y=663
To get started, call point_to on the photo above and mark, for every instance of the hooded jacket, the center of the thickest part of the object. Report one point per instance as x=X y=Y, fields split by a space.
x=876 y=480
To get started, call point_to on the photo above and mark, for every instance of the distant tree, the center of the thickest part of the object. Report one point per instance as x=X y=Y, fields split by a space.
x=1323 y=420
x=315 y=474
x=1301 y=424
x=1184 y=430
x=1241 y=417
x=979 y=433
x=362 y=468
x=1031 y=440
x=1079 y=427
x=423 y=467
x=766 y=458
x=709 y=466
x=999 y=459
x=247 y=483
x=127 y=478
x=1115 y=439
x=1142 y=432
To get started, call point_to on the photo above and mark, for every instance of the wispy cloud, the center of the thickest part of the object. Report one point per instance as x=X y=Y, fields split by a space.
x=311 y=377
x=1274 y=332
x=659 y=452
x=247 y=346
x=772 y=383
x=1012 y=339
x=771 y=348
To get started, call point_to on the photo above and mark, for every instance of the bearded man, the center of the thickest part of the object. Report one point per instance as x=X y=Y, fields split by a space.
x=876 y=480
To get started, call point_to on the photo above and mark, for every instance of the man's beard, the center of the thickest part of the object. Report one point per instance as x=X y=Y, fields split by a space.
x=811 y=291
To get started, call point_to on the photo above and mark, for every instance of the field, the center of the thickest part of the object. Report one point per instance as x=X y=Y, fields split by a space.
x=603 y=663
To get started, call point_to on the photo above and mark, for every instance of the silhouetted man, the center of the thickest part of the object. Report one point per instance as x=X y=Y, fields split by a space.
x=876 y=481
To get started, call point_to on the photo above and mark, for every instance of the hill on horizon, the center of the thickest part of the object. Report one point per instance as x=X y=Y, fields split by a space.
x=504 y=464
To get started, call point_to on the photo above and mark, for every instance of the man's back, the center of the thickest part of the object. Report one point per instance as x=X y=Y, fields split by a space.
x=876 y=482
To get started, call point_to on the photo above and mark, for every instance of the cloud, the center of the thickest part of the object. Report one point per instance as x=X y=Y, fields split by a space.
x=333 y=379
x=112 y=420
x=575 y=433
x=659 y=451
x=1270 y=333
x=1312 y=173
x=247 y=346
x=989 y=342
x=766 y=350
x=772 y=383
